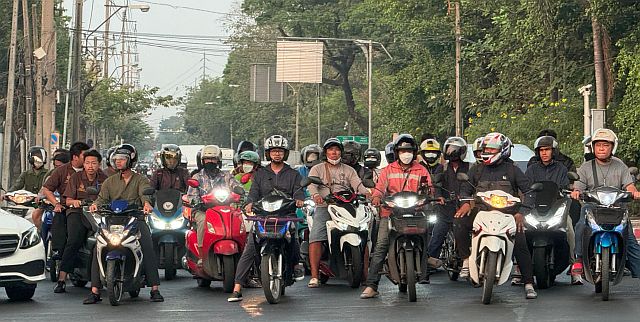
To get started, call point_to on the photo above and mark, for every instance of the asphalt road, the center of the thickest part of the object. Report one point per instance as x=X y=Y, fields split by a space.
x=442 y=300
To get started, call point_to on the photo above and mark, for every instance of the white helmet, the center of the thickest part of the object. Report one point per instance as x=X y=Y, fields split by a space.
x=211 y=151
x=602 y=134
x=276 y=142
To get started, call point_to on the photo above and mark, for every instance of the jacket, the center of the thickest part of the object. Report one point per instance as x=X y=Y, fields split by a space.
x=170 y=179
x=555 y=172
x=287 y=180
x=565 y=160
x=339 y=178
x=393 y=178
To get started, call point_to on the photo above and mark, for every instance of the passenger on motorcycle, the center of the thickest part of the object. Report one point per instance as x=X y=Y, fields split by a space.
x=276 y=175
x=389 y=155
x=129 y=186
x=351 y=157
x=249 y=163
x=310 y=156
x=109 y=170
x=242 y=147
x=170 y=176
x=455 y=150
x=406 y=174
x=558 y=156
x=77 y=224
x=496 y=172
x=605 y=170
x=60 y=158
x=430 y=155
x=476 y=148
x=338 y=177
x=209 y=178
x=371 y=160
x=31 y=180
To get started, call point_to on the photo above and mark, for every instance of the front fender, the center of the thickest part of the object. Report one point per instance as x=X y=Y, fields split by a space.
x=226 y=247
x=493 y=244
x=351 y=239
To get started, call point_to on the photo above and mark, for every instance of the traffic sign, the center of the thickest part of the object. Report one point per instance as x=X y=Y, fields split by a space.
x=359 y=139
x=55 y=138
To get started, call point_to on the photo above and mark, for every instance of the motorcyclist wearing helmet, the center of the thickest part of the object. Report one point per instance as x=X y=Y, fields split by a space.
x=60 y=157
x=210 y=178
x=249 y=163
x=127 y=185
x=371 y=160
x=31 y=180
x=171 y=175
x=496 y=172
x=454 y=152
x=405 y=174
x=389 y=155
x=109 y=170
x=310 y=156
x=277 y=175
x=351 y=157
x=604 y=170
x=430 y=155
x=198 y=163
x=242 y=146
x=477 y=149
x=558 y=157
x=337 y=176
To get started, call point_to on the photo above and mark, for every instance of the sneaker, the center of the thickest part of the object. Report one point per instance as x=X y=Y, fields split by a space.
x=60 y=287
x=530 y=292
x=156 y=296
x=576 y=280
x=516 y=280
x=254 y=283
x=235 y=297
x=369 y=293
x=298 y=272
x=434 y=262
x=424 y=280
x=92 y=299
x=464 y=273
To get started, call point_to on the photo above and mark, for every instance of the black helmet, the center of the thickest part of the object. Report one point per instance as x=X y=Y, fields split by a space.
x=127 y=151
x=198 y=161
x=170 y=151
x=405 y=142
x=108 y=156
x=372 y=158
x=276 y=142
x=37 y=154
x=306 y=151
x=243 y=146
x=332 y=142
x=389 y=154
x=352 y=152
x=546 y=141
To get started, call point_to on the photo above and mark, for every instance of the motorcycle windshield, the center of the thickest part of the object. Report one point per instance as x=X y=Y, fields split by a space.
x=119 y=206
x=168 y=201
x=547 y=197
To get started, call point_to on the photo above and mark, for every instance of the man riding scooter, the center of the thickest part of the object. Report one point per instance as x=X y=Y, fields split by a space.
x=31 y=180
x=170 y=176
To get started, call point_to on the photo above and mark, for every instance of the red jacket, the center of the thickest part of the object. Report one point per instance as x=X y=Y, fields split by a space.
x=393 y=178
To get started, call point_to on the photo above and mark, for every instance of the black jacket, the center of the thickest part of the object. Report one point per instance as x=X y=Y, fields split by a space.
x=565 y=160
x=555 y=172
x=265 y=180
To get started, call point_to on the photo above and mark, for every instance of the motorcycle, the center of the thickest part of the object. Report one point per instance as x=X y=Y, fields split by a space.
x=20 y=203
x=348 y=233
x=224 y=238
x=53 y=265
x=274 y=228
x=604 y=240
x=547 y=234
x=451 y=262
x=168 y=228
x=306 y=214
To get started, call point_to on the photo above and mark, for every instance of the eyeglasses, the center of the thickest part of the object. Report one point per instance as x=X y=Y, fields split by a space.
x=276 y=152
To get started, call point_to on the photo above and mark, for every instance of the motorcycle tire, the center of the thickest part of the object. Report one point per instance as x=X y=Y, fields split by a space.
x=272 y=277
x=450 y=257
x=606 y=272
x=170 y=270
x=229 y=272
x=353 y=260
x=203 y=283
x=411 y=275
x=323 y=279
x=114 y=287
x=134 y=294
x=79 y=283
x=489 y=276
x=541 y=268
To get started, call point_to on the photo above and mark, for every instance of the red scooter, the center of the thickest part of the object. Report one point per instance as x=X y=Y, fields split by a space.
x=224 y=238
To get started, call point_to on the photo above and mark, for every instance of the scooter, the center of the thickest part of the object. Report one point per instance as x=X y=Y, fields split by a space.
x=306 y=214
x=81 y=273
x=547 y=234
x=168 y=228
x=224 y=239
x=20 y=203
x=53 y=265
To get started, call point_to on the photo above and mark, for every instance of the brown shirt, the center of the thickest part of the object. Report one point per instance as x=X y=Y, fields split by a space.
x=59 y=179
x=78 y=184
x=170 y=179
x=115 y=188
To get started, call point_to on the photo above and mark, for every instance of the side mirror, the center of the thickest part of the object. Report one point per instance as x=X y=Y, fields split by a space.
x=92 y=191
x=193 y=183
x=633 y=171
x=462 y=176
x=315 y=180
x=238 y=190
x=368 y=183
x=149 y=192
x=537 y=187
x=573 y=176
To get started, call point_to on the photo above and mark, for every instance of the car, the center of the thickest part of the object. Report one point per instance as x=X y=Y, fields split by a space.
x=22 y=257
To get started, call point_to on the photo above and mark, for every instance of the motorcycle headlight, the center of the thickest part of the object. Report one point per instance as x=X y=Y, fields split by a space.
x=607 y=198
x=557 y=217
x=433 y=219
x=176 y=223
x=405 y=202
x=20 y=199
x=159 y=223
x=497 y=201
x=221 y=195
x=532 y=221
x=272 y=206
x=30 y=238
x=116 y=234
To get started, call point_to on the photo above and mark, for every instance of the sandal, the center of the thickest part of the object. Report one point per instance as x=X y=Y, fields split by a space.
x=313 y=283
x=369 y=293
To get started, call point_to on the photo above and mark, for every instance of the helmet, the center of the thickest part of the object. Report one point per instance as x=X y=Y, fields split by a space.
x=602 y=134
x=498 y=141
x=170 y=151
x=388 y=153
x=455 y=147
x=352 y=152
x=276 y=141
x=477 y=144
x=545 y=141
x=372 y=158
x=404 y=142
x=332 y=142
x=127 y=151
x=243 y=146
x=37 y=154
x=430 y=151
x=306 y=151
x=210 y=151
x=108 y=156
x=249 y=156
x=198 y=161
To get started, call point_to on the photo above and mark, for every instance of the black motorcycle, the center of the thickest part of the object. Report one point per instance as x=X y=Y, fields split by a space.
x=168 y=228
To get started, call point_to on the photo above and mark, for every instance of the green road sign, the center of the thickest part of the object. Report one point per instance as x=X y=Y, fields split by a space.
x=359 y=139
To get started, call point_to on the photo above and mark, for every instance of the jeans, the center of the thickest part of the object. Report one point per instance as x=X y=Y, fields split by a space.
x=440 y=230
x=250 y=255
x=379 y=254
x=77 y=228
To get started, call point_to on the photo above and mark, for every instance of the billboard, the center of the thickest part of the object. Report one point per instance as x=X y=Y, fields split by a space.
x=299 y=62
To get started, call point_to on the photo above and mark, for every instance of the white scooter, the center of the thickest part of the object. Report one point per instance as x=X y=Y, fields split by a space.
x=21 y=203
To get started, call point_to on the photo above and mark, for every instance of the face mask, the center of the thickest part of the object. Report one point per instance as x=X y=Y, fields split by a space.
x=210 y=166
x=38 y=164
x=246 y=168
x=406 y=158
x=312 y=157
x=334 y=162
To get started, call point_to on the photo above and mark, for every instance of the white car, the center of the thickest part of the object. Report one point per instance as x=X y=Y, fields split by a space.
x=22 y=258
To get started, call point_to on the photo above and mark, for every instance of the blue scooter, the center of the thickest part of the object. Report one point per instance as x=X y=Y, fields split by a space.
x=168 y=228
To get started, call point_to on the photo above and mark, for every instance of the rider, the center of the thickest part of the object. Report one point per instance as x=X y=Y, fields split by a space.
x=337 y=176
x=31 y=180
x=276 y=175
x=558 y=157
x=455 y=150
x=310 y=156
x=242 y=146
x=77 y=224
x=57 y=182
x=389 y=155
x=430 y=155
x=249 y=163
x=604 y=170
x=406 y=174
x=476 y=148
x=60 y=158
x=109 y=170
x=170 y=176
x=210 y=177
x=351 y=157
x=371 y=160
x=127 y=185
x=496 y=172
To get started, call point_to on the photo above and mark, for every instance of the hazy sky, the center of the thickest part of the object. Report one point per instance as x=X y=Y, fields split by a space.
x=169 y=69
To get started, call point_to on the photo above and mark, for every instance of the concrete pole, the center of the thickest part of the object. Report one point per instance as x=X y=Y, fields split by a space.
x=318 y=98
x=369 y=78
x=48 y=39
x=28 y=68
x=77 y=73
x=586 y=92
x=39 y=71
x=297 y=117
x=458 y=50
x=107 y=14
x=11 y=81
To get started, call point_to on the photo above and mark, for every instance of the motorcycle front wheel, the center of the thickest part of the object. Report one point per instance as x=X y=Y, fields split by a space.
x=606 y=272
x=271 y=272
x=170 y=270
x=411 y=275
x=489 y=276
x=229 y=271
x=353 y=260
x=541 y=268
x=114 y=286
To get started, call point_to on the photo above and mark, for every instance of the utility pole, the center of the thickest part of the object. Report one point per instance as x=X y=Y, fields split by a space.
x=458 y=107
x=48 y=40
x=77 y=73
x=28 y=68
x=586 y=92
x=297 y=117
x=369 y=78
x=11 y=81
x=107 y=14
x=39 y=71
x=122 y=40
x=318 y=98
